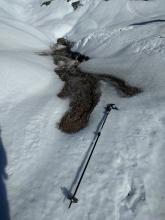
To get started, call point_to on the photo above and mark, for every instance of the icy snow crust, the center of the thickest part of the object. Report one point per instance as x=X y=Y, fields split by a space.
x=125 y=179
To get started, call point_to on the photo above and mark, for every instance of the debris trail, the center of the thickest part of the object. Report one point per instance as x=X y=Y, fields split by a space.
x=82 y=88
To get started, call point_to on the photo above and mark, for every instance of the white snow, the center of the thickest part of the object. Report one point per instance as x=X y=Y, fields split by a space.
x=125 y=178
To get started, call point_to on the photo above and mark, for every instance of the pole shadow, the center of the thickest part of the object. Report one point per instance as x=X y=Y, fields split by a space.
x=4 y=205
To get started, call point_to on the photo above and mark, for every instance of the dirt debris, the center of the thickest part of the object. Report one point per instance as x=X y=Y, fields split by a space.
x=75 y=4
x=83 y=89
x=122 y=87
x=84 y=93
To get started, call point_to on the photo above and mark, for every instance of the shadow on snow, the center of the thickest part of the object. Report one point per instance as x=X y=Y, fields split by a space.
x=148 y=22
x=4 y=206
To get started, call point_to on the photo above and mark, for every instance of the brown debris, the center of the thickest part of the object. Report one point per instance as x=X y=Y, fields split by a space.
x=84 y=95
x=83 y=89
x=123 y=88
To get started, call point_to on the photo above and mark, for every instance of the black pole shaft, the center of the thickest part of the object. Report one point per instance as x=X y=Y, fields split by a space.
x=108 y=108
x=84 y=171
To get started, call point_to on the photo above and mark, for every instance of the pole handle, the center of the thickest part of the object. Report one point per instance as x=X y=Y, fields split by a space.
x=111 y=106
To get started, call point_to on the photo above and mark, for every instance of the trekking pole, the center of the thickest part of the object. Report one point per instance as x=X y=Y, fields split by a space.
x=108 y=108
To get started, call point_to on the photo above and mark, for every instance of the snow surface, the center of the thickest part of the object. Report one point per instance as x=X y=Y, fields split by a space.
x=125 y=178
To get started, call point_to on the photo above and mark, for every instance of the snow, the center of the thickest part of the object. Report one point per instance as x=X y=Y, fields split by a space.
x=125 y=178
